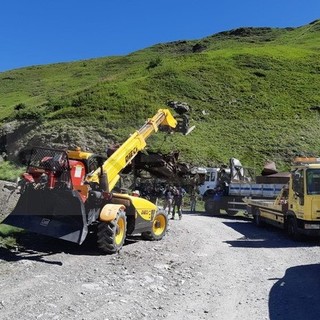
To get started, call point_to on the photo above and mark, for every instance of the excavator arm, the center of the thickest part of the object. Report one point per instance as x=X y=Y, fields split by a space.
x=112 y=167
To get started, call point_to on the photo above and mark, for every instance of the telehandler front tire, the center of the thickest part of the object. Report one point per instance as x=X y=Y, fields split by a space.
x=111 y=235
x=159 y=227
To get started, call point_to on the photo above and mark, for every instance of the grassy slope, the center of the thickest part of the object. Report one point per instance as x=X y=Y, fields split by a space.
x=251 y=92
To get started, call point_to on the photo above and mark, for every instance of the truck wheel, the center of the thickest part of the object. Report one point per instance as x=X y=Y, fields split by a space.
x=111 y=235
x=211 y=207
x=257 y=218
x=207 y=195
x=292 y=229
x=159 y=227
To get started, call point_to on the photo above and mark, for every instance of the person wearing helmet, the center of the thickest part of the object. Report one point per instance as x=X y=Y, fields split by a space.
x=136 y=193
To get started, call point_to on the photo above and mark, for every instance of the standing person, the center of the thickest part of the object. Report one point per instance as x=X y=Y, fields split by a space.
x=224 y=181
x=193 y=199
x=177 y=201
x=168 y=199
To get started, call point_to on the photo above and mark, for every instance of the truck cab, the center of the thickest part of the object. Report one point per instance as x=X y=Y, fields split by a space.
x=221 y=176
x=304 y=192
x=211 y=182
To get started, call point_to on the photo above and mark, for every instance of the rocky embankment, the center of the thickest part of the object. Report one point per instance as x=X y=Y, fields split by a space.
x=8 y=198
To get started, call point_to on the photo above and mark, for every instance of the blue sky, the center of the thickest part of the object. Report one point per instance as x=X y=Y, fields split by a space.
x=34 y=32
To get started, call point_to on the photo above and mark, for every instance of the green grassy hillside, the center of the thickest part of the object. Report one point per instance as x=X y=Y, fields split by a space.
x=253 y=92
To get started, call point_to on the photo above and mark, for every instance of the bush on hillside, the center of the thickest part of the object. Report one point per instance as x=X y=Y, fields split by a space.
x=154 y=63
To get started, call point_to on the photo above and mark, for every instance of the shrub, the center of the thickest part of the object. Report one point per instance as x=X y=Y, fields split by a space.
x=154 y=63
x=31 y=114
x=20 y=106
x=8 y=171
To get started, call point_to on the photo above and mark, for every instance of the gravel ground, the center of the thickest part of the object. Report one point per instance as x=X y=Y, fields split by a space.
x=204 y=268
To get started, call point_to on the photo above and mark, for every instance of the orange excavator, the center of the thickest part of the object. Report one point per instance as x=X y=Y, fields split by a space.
x=68 y=193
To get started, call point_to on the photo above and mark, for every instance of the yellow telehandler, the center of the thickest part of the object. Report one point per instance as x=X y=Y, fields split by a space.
x=67 y=193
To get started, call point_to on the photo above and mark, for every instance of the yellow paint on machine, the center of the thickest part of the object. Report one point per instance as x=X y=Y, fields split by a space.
x=145 y=209
x=109 y=212
x=272 y=215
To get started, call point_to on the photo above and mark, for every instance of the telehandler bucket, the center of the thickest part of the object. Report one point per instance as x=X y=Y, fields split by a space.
x=48 y=205
x=56 y=213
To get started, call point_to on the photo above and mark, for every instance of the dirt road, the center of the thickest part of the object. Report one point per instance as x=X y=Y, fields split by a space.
x=205 y=268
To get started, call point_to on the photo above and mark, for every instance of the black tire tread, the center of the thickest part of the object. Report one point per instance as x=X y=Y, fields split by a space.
x=106 y=233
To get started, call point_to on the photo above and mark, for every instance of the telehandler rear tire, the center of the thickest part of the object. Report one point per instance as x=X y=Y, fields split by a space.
x=159 y=227
x=111 y=235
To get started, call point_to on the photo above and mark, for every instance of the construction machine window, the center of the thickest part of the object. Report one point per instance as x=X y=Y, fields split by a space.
x=313 y=181
x=210 y=176
x=95 y=162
